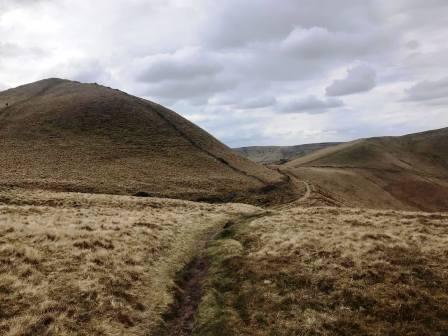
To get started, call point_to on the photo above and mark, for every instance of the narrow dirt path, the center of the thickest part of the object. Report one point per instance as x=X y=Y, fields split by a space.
x=298 y=185
x=180 y=319
x=181 y=316
x=307 y=193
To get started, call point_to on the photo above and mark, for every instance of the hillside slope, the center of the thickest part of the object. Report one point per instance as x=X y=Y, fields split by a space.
x=407 y=172
x=280 y=154
x=59 y=134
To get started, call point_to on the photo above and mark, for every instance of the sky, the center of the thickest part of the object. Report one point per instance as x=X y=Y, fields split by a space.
x=250 y=72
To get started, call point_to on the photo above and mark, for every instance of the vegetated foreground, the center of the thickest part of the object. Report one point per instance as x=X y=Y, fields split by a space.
x=82 y=264
x=329 y=271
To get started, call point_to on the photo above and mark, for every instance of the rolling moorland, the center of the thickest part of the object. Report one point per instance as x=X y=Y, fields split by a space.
x=280 y=154
x=408 y=172
x=347 y=240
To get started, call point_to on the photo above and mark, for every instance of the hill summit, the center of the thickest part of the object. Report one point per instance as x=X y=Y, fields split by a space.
x=65 y=135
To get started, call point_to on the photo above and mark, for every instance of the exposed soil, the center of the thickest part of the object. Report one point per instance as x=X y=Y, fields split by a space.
x=180 y=319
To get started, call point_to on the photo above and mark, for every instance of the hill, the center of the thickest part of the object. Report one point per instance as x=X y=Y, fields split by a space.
x=406 y=172
x=280 y=154
x=64 y=135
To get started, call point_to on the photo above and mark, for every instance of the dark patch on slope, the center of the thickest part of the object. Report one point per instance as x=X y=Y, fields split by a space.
x=196 y=145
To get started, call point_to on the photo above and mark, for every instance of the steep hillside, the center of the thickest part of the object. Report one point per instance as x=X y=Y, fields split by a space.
x=280 y=154
x=407 y=172
x=59 y=134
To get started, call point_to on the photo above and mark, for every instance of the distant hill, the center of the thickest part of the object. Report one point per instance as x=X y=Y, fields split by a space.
x=280 y=154
x=59 y=134
x=406 y=172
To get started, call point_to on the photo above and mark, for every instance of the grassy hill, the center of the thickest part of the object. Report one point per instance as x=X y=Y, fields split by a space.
x=407 y=172
x=280 y=154
x=64 y=135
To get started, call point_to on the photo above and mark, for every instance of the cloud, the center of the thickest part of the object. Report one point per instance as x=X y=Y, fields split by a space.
x=9 y=49
x=246 y=59
x=182 y=65
x=319 y=42
x=259 y=102
x=251 y=21
x=5 y=4
x=428 y=90
x=200 y=87
x=361 y=78
x=310 y=105
x=412 y=44
x=83 y=70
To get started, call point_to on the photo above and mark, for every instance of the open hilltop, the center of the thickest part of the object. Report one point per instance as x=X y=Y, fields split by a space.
x=63 y=135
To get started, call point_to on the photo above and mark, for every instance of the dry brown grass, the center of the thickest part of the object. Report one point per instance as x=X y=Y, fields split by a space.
x=67 y=136
x=79 y=264
x=403 y=173
x=329 y=271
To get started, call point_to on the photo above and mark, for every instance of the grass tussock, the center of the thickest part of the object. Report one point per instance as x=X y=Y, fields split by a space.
x=79 y=264
x=328 y=271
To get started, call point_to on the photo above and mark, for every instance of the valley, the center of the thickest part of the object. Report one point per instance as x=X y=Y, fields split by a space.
x=120 y=217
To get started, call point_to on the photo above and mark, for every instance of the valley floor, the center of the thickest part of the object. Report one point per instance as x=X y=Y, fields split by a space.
x=82 y=264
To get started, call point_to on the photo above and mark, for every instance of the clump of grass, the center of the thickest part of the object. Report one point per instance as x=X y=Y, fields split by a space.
x=82 y=264
x=328 y=271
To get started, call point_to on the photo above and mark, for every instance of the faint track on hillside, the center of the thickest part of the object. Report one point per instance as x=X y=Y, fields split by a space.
x=314 y=195
x=297 y=184
x=307 y=193
x=196 y=145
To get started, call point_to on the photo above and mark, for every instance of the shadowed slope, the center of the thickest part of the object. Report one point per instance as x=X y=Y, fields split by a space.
x=67 y=135
x=407 y=172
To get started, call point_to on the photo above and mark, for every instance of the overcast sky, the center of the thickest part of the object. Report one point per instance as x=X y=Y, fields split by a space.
x=251 y=72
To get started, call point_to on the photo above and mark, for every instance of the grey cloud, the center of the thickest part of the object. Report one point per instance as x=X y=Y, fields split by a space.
x=412 y=44
x=361 y=78
x=428 y=90
x=182 y=65
x=8 y=4
x=310 y=104
x=189 y=89
x=319 y=42
x=259 y=102
x=83 y=70
x=233 y=54
x=254 y=21
x=9 y=49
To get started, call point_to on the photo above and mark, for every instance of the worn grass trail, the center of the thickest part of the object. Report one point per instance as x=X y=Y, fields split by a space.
x=180 y=319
